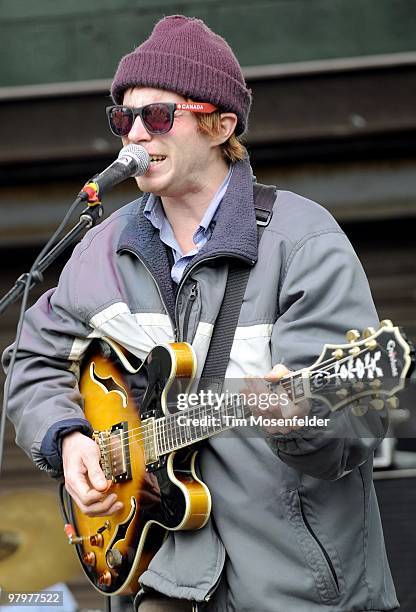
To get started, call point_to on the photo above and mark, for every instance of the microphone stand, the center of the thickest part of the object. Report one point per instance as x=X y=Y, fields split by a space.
x=87 y=219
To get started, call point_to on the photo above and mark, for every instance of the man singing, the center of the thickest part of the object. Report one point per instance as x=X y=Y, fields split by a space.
x=295 y=524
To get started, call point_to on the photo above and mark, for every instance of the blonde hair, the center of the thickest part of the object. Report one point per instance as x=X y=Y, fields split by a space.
x=232 y=149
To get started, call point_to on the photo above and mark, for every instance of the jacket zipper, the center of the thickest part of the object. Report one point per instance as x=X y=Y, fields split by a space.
x=192 y=297
x=183 y=279
x=324 y=552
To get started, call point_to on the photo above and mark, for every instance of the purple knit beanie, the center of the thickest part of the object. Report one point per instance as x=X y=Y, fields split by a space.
x=183 y=55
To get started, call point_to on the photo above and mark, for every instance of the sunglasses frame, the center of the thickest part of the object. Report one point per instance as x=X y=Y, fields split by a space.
x=193 y=107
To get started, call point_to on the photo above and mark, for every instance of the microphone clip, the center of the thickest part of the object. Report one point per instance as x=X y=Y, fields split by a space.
x=89 y=194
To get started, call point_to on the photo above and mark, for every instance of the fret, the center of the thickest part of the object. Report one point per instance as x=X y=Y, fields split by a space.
x=292 y=389
x=188 y=433
x=203 y=423
x=162 y=447
x=297 y=387
x=165 y=435
x=182 y=437
x=171 y=444
x=157 y=436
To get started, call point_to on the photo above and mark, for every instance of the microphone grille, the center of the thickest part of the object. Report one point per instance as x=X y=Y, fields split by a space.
x=139 y=155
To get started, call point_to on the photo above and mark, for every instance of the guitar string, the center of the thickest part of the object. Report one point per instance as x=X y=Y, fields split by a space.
x=185 y=443
x=136 y=436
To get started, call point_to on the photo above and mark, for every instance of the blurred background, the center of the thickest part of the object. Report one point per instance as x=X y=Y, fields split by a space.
x=333 y=118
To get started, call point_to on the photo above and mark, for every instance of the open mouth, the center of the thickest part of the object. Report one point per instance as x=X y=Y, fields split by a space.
x=157 y=159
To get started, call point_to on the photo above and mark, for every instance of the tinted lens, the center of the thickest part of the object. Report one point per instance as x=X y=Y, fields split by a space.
x=121 y=120
x=158 y=118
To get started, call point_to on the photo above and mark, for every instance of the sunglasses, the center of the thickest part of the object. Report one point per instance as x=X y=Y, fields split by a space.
x=157 y=118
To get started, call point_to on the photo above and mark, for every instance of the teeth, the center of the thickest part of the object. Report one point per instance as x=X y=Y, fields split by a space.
x=156 y=158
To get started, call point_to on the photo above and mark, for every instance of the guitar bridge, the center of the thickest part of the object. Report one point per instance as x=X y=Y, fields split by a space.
x=115 y=452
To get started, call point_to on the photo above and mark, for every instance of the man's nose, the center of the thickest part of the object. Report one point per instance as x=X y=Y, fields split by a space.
x=138 y=132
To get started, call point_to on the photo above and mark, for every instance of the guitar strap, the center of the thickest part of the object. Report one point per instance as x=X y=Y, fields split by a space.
x=213 y=373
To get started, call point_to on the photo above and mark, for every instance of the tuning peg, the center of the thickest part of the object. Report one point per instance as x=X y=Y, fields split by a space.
x=354 y=351
x=359 y=410
x=368 y=331
x=352 y=335
x=342 y=393
x=371 y=344
x=377 y=404
x=358 y=386
x=386 y=323
x=338 y=353
x=375 y=384
x=393 y=402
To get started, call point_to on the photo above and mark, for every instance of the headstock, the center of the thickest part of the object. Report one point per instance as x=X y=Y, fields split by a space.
x=365 y=373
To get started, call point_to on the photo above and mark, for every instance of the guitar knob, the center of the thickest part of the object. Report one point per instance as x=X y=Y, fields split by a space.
x=338 y=353
x=97 y=540
x=359 y=410
x=88 y=558
x=377 y=404
x=114 y=558
x=105 y=579
x=352 y=335
x=393 y=402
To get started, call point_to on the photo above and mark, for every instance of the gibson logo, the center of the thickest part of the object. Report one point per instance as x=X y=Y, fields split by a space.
x=391 y=345
x=190 y=106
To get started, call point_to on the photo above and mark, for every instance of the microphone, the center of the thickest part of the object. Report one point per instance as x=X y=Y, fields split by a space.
x=133 y=160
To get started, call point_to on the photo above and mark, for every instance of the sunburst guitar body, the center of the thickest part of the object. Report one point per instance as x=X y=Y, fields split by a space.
x=123 y=400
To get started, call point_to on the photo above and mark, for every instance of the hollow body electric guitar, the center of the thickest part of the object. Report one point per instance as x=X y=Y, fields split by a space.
x=150 y=457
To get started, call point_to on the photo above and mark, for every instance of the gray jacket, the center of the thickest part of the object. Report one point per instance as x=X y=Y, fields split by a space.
x=295 y=523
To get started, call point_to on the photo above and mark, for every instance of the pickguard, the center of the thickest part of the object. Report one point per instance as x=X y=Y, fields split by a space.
x=120 y=532
x=108 y=384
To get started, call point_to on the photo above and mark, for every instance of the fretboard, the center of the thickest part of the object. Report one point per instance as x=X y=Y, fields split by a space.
x=194 y=424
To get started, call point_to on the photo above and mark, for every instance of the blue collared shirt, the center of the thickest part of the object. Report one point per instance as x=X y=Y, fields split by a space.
x=156 y=215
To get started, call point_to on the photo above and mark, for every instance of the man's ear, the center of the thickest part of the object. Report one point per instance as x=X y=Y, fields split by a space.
x=228 y=121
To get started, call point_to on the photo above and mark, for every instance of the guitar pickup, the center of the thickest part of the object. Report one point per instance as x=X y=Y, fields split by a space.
x=115 y=452
x=151 y=455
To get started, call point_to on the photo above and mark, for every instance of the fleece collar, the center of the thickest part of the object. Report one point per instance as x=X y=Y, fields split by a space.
x=234 y=234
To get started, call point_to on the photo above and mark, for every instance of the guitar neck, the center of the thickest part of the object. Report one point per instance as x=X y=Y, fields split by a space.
x=362 y=371
x=198 y=423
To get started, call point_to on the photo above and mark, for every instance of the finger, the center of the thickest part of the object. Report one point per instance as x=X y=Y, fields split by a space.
x=79 y=486
x=95 y=474
x=277 y=372
x=82 y=493
x=110 y=506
